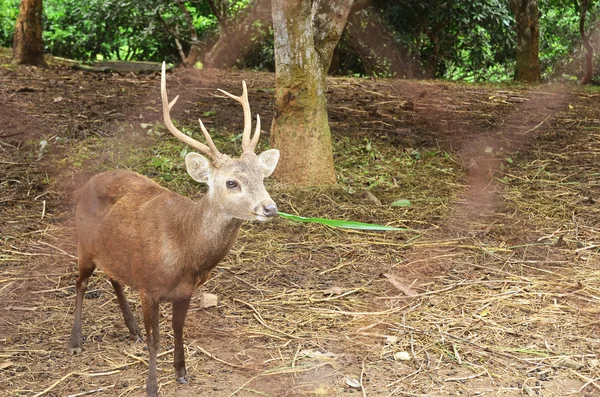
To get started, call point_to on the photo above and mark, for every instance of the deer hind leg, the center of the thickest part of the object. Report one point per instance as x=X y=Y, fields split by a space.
x=86 y=268
x=134 y=330
x=180 y=309
x=150 y=309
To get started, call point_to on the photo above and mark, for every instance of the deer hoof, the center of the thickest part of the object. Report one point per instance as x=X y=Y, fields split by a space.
x=151 y=391
x=75 y=350
x=182 y=380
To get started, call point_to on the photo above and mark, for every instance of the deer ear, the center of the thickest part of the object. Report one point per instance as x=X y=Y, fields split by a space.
x=198 y=167
x=267 y=161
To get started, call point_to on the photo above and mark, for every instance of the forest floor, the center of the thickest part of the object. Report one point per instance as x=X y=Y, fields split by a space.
x=494 y=290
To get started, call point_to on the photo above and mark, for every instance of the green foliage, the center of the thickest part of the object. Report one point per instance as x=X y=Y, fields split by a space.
x=561 y=52
x=560 y=38
x=475 y=40
x=111 y=29
x=458 y=40
x=117 y=29
x=454 y=39
x=9 y=10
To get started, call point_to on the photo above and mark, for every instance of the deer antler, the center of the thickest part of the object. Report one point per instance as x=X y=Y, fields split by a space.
x=248 y=142
x=210 y=150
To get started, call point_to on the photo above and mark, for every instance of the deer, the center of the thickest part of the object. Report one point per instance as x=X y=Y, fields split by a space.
x=162 y=244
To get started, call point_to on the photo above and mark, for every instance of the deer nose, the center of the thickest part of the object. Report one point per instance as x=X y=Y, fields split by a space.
x=270 y=210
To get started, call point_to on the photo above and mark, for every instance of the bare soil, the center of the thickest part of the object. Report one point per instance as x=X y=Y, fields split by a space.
x=494 y=290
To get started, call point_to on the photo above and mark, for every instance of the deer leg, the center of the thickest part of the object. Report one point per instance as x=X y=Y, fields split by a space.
x=134 y=330
x=86 y=268
x=180 y=309
x=150 y=309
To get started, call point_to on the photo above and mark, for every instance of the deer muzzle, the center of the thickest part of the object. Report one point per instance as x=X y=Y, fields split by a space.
x=266 y=210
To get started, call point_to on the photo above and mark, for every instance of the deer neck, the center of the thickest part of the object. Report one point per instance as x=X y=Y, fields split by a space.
x=208 y=234
x=212 y=220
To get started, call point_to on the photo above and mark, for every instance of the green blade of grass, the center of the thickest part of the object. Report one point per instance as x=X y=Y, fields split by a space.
x=341 y=224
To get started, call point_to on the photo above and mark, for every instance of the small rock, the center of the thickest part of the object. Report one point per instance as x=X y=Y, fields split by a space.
x=566 y=362
x=208 y=300
x=391 y=339
x=353 y=383
x=402 y=356
x=6 y=364
x=333 y=291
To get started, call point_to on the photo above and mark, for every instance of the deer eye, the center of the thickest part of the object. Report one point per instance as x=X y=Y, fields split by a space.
x=231 y=184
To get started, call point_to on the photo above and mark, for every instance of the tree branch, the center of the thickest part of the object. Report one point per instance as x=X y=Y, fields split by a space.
x=582 y=15
x=176 y=35
x=329 y=19
x=218 y=13
x=190 y=21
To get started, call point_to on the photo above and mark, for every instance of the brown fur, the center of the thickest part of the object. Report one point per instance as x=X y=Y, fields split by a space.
x=120 y=206
x=162 y=244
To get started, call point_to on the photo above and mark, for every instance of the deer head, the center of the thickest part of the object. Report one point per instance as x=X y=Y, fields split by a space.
x=235 y=186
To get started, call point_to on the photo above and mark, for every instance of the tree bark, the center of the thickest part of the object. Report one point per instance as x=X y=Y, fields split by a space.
x=235 y=44
x=528 y=62
x=28 y=47
x=589 y=49
x=306 y=33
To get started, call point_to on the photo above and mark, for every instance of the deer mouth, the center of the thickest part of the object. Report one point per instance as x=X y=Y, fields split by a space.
x=262 y=217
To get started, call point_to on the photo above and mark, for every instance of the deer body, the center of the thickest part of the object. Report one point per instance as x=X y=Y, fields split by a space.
x=163 y=244
x=177 y=248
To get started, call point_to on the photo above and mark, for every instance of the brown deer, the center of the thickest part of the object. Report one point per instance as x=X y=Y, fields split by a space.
x=162 y=244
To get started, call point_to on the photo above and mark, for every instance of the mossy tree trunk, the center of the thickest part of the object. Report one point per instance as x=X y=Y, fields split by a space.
x=28 y=47
x=306 y=33
x=528 y=36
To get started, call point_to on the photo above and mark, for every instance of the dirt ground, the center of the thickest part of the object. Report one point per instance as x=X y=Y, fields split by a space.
x=494 y=290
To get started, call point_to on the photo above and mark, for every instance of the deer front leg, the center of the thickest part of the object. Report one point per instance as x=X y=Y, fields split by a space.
x=134 y=330
x=150 y=309
x=180 y=309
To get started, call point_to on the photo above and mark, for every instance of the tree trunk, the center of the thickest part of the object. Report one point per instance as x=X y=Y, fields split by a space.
x=192 y=56
x=28 y=47
x=306 y=33
x=528 y=62
x=589 y=49
x=234 y=45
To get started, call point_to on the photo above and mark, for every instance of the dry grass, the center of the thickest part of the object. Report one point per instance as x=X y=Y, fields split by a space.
x=496 y=294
